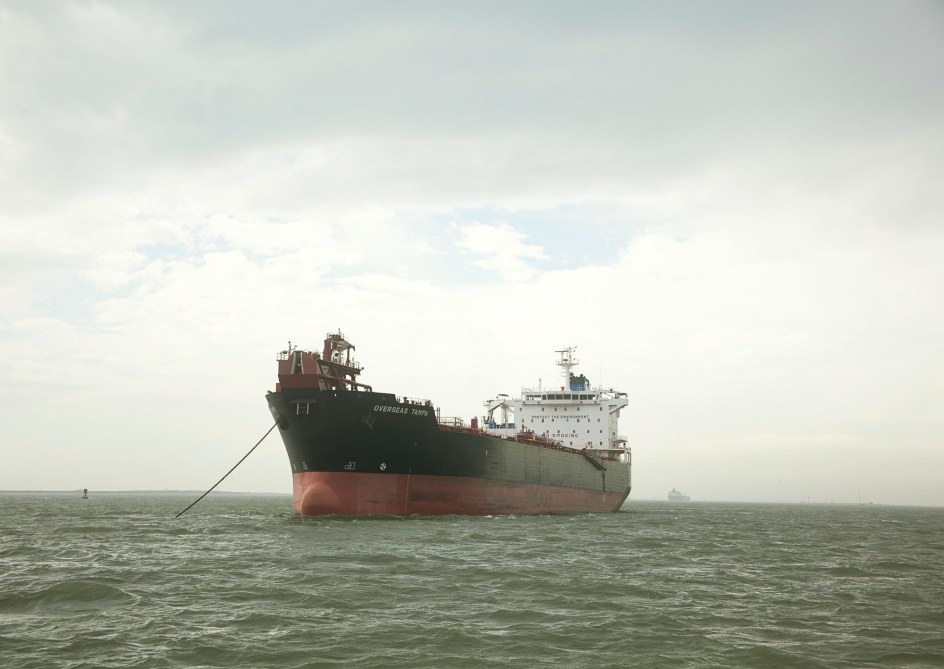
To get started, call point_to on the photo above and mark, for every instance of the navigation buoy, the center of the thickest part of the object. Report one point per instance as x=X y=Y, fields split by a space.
x=84 y=493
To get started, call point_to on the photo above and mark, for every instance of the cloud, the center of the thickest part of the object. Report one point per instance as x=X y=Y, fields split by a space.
x=503 y=247
x=606 y=95
x=734 y=216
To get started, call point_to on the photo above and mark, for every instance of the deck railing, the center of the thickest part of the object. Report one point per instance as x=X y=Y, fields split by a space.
x=451 y=421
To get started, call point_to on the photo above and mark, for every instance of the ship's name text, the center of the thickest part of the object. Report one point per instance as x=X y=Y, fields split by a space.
x=381 y=408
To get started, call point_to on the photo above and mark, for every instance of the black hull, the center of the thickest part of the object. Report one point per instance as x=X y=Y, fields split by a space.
x=337 y=438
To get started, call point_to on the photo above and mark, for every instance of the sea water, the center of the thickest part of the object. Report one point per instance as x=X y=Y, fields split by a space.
x=239 y=581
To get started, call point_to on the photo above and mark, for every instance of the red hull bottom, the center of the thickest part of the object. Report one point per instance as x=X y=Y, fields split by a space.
x=356 y=494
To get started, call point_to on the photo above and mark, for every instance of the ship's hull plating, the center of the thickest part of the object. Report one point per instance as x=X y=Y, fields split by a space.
x=364 y=453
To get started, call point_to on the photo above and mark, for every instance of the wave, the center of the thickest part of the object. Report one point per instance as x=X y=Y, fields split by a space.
x=73 y=595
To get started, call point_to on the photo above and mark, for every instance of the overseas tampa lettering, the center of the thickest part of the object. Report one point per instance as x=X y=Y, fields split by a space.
x=382 y=408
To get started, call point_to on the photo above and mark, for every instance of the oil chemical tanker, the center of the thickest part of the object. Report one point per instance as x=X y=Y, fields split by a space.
x=357 y=452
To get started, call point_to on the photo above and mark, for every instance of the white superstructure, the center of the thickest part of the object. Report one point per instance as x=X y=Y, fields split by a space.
x=576 y=416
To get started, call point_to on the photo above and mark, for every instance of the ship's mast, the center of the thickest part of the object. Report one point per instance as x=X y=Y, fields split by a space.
x=565 y=363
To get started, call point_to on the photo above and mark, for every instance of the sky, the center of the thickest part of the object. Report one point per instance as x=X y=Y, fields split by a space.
x=732 y=209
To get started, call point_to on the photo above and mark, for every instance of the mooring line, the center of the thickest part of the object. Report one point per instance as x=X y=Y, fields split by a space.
x=227 y=473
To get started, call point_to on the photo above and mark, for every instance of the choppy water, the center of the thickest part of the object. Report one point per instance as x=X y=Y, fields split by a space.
x=239 y=581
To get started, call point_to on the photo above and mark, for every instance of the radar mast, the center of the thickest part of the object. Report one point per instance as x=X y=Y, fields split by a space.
x=565 y=363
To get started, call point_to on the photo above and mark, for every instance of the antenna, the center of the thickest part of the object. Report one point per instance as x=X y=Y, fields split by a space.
x=565 y=363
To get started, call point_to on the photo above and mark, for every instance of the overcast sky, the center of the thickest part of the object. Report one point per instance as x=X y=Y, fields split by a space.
x=732 y=209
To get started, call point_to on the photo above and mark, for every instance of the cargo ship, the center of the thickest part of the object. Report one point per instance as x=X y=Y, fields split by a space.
x=357 y=452
x=677 y=496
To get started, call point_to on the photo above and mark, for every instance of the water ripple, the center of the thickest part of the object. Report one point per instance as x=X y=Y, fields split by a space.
x=240 y=581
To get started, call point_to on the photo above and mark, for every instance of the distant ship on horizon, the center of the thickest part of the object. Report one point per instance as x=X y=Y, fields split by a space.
x=677 y=496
